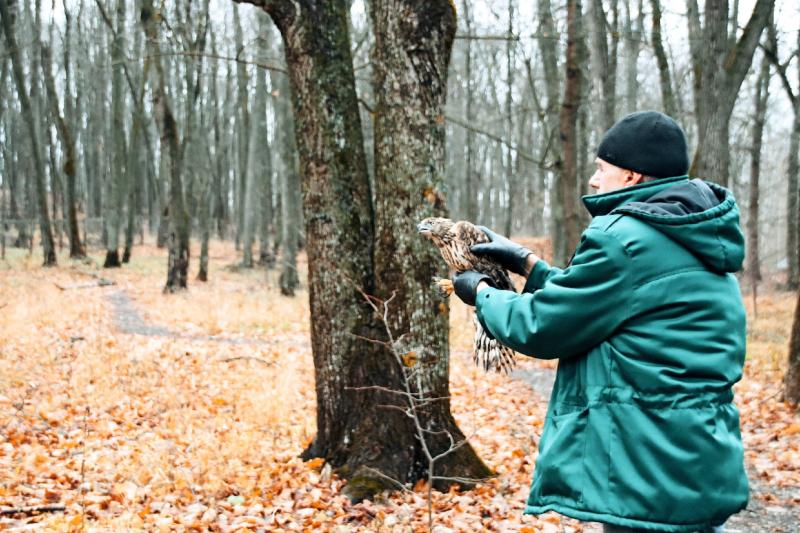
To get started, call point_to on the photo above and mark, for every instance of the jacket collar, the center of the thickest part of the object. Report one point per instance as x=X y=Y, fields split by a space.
x=603 y=204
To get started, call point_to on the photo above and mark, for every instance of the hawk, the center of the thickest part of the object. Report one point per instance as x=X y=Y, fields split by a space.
x=454 y=240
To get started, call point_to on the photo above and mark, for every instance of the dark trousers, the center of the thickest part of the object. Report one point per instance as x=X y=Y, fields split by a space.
x=607 y=528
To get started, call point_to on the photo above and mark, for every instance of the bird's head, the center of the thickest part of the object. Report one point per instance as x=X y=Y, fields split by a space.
x=439 y=230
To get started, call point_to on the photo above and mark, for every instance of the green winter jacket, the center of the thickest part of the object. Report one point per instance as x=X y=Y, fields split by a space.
x=649 y=326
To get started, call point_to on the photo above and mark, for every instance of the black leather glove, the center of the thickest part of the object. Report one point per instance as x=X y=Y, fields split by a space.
x=509 y=254
x=465 y=285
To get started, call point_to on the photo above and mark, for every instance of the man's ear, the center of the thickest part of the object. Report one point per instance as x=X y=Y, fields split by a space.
x=634 y=178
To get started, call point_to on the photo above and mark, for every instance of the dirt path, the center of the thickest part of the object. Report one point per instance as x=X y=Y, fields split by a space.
x=769 y=509
x=128 y=320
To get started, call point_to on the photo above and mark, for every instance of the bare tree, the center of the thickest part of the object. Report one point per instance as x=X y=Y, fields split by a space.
x=760 y=98
x=76 y=250
x=469 y=203
x=720 y=67
x=290 y=187
x=567 y=186
x=413 y=39
x=31 y=121
x=172 y=147
x=793 y=166
x=792 y=378
x=116 y=182
x=339 y=224
x=605 y=59
x=665 y=79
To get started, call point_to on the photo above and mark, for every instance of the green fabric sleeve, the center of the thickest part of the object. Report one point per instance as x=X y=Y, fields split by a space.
x=575 y=309
x=540 y=273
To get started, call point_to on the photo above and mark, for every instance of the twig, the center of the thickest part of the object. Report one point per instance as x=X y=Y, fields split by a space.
x=190 y=53
x=374 y=341
x=248 y=357
x=416 y=400
x=388 y=478
x=465 y=480
x=102 y=282
x=32 y=509
x=83 y=468
x=521 y=153
x=379 y=388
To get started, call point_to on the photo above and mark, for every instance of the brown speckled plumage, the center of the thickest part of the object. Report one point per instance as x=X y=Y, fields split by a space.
x=454 y=240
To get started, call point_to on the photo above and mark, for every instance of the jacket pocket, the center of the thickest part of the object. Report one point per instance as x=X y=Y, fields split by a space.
x=560 y=468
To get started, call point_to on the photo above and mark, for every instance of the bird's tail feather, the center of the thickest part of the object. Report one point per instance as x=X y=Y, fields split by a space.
x=490 y=354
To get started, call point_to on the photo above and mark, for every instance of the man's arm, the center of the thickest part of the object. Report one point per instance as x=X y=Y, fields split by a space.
x=575 y=309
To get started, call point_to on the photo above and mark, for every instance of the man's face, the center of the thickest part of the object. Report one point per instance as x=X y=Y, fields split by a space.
x=608 y=177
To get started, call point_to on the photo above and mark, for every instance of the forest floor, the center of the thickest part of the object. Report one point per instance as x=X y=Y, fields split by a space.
x=136 y=410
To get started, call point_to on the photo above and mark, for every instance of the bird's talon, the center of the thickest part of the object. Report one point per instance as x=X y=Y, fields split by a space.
x=445 y=286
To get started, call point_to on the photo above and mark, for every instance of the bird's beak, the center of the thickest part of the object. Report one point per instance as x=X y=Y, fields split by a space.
x=424 y=228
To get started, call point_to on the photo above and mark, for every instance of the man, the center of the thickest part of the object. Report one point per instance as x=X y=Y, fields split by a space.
x=647 y=320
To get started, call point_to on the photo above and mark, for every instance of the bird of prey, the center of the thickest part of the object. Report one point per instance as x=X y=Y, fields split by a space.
x=454 y=240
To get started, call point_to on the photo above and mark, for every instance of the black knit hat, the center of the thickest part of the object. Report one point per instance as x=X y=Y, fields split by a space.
x=648 y=142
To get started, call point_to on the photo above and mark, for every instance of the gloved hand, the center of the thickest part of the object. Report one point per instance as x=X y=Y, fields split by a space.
x=465 y=285
x=509 y=254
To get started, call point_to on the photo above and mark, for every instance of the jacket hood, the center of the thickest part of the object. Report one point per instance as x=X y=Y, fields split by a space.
x=700 y=216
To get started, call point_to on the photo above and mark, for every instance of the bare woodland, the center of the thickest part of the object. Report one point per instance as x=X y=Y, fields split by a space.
x=311 y=136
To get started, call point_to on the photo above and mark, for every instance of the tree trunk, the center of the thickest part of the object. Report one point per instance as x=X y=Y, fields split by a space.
x=290 y=188
x=634 y=33
x=136 y=167
x=48 y=246
x=413 y=39
x=117 y=177
x=793 y=200
x=69 y=168
x=759 y=118
x=252 y=175
x=719 y=69
x=510 y=174
x=354 y=433
x=665 y=81
x=792 y=378
x=178 y=229
x=568 y=175
x=604 y=61
x=339 y=224
x=548 y=45
x=243 y=135
x=470 y=195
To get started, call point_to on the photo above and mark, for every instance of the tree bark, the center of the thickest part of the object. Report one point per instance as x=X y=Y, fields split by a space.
x=548 y=46
x=568 y=175
x=759 y=117
x=792 y=378
x=470 y=196
x=354 y=433
x=664 y=77
x=76 y=250
x=604 y=60
x=634 y=34
x=243 y=134
x=48 y=246
x=793 y=200
x=510 y=174
x=290 y=188
x=413 y=40
x=339 y=224
x=116 y=181
x=719 y=69
x=178 y=229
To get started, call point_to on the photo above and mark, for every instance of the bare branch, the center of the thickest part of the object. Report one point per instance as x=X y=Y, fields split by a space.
x=30 y=510
x=203 y=55
x=247 y=357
